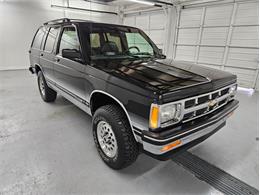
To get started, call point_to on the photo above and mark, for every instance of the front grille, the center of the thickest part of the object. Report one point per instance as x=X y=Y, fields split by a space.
x=203 y=99
x=190 y=103
x=201 y=105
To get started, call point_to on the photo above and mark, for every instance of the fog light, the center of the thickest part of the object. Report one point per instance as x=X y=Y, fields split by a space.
x=171 y=145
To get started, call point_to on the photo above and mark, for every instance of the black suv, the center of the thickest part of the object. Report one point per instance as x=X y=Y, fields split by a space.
x=139 y=100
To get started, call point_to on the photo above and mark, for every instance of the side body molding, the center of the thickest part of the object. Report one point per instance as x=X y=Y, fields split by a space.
x=121 y=105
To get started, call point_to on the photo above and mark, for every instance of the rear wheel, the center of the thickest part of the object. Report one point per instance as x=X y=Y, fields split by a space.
x=113 y=137
x=47 y=94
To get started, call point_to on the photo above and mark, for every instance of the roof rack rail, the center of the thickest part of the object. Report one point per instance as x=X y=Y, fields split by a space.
x=61 y=20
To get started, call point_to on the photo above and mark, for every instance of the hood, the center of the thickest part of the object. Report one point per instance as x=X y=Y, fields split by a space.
x=166 y=76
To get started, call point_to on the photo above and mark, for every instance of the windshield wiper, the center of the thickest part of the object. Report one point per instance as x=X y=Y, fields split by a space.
x=142 y=55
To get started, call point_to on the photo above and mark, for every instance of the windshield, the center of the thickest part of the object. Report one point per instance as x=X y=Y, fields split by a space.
x=120 y=42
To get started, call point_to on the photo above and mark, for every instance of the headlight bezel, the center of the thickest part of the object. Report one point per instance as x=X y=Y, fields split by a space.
x=161 y=122
x=176 y=114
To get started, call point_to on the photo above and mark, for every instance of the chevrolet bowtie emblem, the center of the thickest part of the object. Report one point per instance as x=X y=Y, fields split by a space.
x=212 y=103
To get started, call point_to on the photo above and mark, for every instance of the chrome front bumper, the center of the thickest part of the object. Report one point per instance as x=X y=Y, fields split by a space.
x=187 y=135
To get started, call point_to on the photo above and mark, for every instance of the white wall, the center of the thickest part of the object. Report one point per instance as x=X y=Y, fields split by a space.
x=19 y=19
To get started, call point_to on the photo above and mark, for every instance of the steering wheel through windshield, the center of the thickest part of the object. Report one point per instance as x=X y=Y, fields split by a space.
x=132 y=47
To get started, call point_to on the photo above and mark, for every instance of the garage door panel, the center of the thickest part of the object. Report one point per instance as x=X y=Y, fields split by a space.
x=244 y=83
x=186 y=53
x=211 y=55
x=247 y=13
x=157 y=36
x=218 y=16
x=151 y=23
x=245 y=36
x=157 y=21
x=190 y=17
x=142 y=22
x=188 y=36
x=234 y=48
x=241 y=57
x=244 y=76
x=214 y=36
x=211 y=66
x=130 y=21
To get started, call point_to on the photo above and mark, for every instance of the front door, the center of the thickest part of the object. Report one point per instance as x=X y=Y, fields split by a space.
x=69 y=73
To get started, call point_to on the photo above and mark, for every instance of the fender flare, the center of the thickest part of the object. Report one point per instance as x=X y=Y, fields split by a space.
x=120 y=104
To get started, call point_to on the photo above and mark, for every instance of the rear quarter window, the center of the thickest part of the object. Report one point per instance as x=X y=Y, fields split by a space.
x=37 y=41
x=50 y=41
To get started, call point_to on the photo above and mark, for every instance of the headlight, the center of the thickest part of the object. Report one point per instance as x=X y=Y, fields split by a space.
x=164 y=115
x=232 y=90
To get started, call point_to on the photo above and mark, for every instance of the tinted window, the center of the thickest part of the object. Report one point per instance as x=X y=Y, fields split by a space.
x=115 y=38
x=38 y=39
x=137 y=40
x=51 y=39
x=69 y=39
x=95 y=40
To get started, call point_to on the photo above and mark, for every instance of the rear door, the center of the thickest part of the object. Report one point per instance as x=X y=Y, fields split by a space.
x=35 y=49
x=47 y=56
x=69 y=74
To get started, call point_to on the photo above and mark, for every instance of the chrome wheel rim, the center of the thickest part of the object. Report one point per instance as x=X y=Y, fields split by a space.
x=107 y=139
x=42 y=87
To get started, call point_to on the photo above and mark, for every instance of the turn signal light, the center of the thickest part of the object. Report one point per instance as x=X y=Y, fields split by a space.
x=154 y=117
x=171 y=145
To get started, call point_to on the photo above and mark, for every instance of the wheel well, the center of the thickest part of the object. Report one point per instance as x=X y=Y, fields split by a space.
x=100 y=99
x=37 y=69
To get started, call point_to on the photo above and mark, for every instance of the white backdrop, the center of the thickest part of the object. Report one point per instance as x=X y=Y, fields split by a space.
x=19 y=19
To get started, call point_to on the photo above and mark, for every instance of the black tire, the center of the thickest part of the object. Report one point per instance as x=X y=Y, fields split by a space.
x=127 y=147
x=47 y=94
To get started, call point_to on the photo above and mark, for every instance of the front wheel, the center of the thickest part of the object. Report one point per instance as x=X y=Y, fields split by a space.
x=47 y=94
x=113 y=137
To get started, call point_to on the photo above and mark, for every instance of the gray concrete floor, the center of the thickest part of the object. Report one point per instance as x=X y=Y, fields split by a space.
x=48 y=148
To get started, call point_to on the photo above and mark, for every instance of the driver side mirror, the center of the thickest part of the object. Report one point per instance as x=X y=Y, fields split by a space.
x=72 y=54
x=161 y=54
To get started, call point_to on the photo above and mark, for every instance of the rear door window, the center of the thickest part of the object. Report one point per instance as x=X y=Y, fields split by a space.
x=50 y=41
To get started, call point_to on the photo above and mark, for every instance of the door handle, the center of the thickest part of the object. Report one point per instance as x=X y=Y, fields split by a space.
x=57 y=60
x=41 y=54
